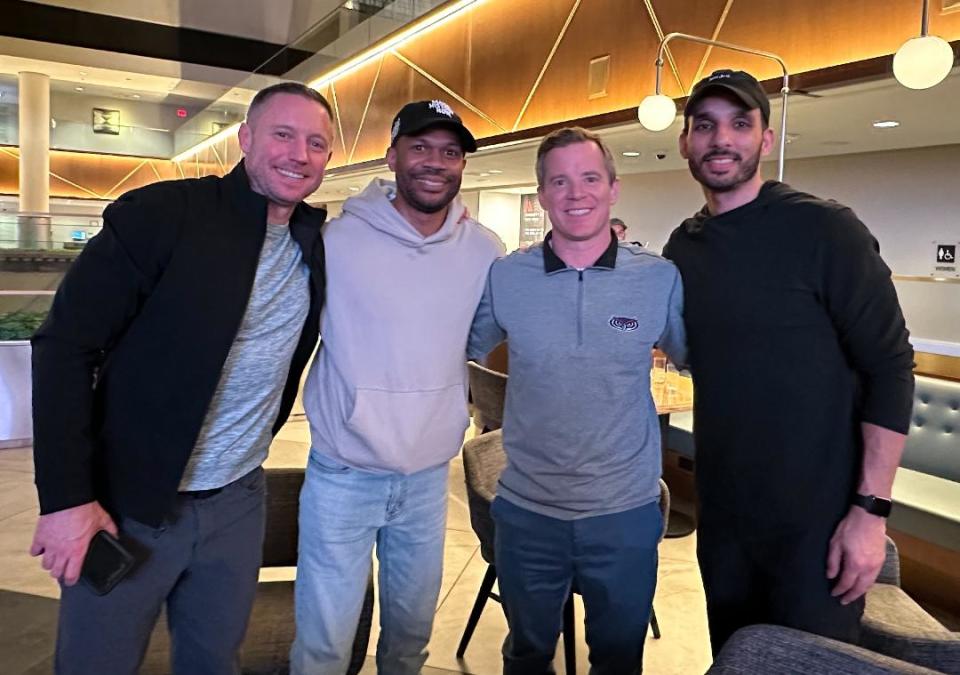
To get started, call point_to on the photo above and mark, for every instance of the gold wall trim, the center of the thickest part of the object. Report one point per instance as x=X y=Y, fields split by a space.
x=216 y=156
x=656 y=26
x=716 y=35
x=79 y=187
x=366 y=109
x=931 y=280
x=546 y=64
x=123 y=180
x=336 y=110
x=155 y=172
x=936 y=365
x=447 y=89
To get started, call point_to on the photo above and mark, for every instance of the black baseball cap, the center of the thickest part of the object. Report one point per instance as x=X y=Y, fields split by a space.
x=741 y=84
x=420 y=115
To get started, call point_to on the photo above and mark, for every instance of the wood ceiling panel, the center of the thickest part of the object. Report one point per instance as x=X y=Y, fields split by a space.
x=352 y=93
x=621 y=29
x=810 y=34
x=510 y=43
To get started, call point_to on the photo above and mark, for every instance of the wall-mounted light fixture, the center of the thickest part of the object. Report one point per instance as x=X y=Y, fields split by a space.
x=658 y=111
x=923 y=62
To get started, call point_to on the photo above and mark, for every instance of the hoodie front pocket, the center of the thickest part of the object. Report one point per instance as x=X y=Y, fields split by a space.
x=407 y=431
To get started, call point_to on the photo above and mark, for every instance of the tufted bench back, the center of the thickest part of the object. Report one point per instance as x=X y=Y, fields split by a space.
x=933 y=446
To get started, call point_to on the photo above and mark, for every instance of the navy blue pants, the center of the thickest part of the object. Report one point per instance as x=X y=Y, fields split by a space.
x=610 y=560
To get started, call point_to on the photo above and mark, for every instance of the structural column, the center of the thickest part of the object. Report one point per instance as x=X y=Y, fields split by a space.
x=34 y=231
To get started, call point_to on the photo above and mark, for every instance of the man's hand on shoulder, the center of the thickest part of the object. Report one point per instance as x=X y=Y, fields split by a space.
x=856 y=554
x=62 y=538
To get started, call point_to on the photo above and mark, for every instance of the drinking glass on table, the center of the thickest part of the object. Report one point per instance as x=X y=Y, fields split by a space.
x=659 y=373
x=672 y=377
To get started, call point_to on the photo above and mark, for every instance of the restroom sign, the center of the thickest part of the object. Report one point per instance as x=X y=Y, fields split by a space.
x=945 y=259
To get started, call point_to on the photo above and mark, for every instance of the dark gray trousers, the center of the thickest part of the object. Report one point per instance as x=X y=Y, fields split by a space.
x=203 y=562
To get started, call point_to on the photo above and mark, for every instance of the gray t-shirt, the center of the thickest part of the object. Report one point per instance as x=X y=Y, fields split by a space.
x=236 y=432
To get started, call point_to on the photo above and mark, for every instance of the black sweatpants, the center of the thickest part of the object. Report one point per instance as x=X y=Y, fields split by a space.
x=754 y=575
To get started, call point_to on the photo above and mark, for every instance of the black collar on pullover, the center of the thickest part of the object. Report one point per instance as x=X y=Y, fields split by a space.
x=553 y=263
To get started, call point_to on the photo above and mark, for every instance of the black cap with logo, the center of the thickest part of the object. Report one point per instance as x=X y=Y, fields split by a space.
x=416 y=117
x=741 y=84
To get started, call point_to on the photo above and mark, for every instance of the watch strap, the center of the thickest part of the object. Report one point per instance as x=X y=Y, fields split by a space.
x=877 y=506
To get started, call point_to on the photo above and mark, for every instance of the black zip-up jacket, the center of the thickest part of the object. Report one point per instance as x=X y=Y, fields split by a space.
x=795 y=337
x=126 y=363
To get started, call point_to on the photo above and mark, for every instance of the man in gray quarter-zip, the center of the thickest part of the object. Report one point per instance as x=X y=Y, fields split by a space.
x=577 y=505
x=193 y=313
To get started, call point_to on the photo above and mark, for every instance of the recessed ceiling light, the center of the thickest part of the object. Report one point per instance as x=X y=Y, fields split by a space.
x=354 y=188
x=886 y=124
x=631 y=153
x=484 y=174
x=495 y=171
x=135 y=96
x=82 y=74
x=78 y=88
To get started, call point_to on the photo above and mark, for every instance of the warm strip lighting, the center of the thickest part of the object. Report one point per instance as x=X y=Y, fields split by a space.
x=206 y=143
x=416 y=28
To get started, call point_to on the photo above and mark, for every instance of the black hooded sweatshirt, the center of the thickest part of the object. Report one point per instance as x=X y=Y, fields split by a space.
x=795 y=338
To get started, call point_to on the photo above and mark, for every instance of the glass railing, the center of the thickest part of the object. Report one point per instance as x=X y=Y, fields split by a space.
x=346 y=31
x=22 y=233
x=101 y=138
x=338 y=35
x=111 y=139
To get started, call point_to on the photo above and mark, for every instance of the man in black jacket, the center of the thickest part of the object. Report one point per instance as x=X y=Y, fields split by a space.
x=803 y=380
x=171 y=355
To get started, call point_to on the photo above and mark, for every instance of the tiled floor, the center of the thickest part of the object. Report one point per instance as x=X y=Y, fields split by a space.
x=679 y=601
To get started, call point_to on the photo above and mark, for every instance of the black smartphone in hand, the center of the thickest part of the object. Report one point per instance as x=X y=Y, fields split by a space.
x=106 y=563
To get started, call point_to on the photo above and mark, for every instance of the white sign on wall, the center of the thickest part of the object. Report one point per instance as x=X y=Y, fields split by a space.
x=945 y=259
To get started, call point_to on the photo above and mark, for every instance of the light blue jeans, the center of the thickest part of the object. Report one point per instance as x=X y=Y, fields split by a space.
x=343 y=513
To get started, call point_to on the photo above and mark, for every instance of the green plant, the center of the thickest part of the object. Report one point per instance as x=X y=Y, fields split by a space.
x=20 y=325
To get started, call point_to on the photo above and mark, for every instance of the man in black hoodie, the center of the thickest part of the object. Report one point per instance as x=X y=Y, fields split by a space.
x=803 y=380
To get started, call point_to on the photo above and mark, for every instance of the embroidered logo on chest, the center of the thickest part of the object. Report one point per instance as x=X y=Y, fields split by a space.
x=624 y=324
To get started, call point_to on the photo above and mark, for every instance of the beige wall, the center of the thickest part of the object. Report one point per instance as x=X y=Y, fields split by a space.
x=907 y=198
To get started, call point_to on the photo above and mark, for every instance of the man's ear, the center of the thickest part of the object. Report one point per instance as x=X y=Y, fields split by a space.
x=245 y=136
x=614 y=191
x=766 y=145
x=682 y=144
x=392 y=158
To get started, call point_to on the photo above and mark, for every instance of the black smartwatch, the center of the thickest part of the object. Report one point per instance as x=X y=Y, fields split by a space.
x=877 y=506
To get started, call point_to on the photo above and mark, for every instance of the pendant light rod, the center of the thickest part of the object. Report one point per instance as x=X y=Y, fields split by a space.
x=784 y=90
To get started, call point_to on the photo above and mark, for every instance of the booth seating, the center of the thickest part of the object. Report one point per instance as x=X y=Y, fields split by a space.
x=898 y=637
x=896 y=626
x=926 y=492
x=779 y=650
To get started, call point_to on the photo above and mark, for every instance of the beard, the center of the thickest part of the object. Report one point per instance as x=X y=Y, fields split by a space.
x=746 y=169
x=427 y=203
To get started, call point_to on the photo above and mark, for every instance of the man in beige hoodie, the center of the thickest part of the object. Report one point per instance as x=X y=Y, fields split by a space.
x=386 y=397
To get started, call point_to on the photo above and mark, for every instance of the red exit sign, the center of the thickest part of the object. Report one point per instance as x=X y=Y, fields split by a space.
x=181 y=112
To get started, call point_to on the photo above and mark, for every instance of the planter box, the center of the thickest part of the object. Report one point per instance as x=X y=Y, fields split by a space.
x=16 y=416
